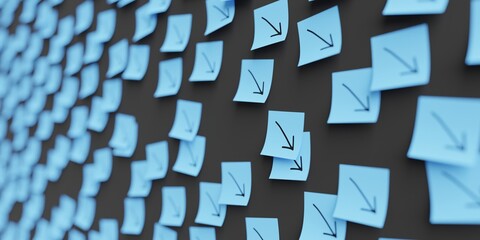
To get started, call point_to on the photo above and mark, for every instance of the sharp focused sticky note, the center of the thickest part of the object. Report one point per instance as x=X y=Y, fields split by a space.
x=139 y=185
x=271 y=24
x=133 y=216
x=125 y=135
x=158 y=6
x=102 y=160
x=295 y=170
x=401 y=58
x=204 y=233
x=84 y=16
x=80 y=148
x=363 y=195
x=454 y=195
x=320 y=36
x=284 y=134
x=262 y=228
x=145 y=22
x=85 y=213
x=318 y=218
x=446 y=130
x=112 y=94
x=169 y=77
x=256 y=77
x=236 y=183
x=163 y=233
x=352 y=101
x=98 y=118
x=157 y=160
x=190 y=156
x=106 y=22
x=78 y=124
x=219 y=14
x=174 y=206
x=178 y=33
x=210 y=212
x=187 y=120
x=414 y=7
x=138 y=57
x=473 y=50
x=90 y=77
x=208 y=61
x=117 y=58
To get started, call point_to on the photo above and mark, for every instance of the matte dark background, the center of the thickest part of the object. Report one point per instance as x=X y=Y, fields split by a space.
x=236 y=131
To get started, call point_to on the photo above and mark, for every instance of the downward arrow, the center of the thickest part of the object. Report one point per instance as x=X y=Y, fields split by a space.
x=260 y=90
x=371 y=208
x=242 y=192
x=260 y=236
x=330 y=44
x=175 y=208
x=290 y=146
x=192 y=156
x=226 y=15
x=278 y=32
x=365 y=107
x=189 y=124
x=332 y=232
x=299 y=167
x=464 y=188
x=217 y=211
x=411 y=69
x=459 y=145
x=211 y=68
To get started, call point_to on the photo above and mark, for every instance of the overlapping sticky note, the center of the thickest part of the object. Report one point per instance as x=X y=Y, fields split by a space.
x=210 y=211
x=157 y=160
x=262 y=228
x=236 y=183
x=178 y=33
x=85 y=213
x=297 y=169
x=270 y=24
x=159 y=6
x=102 y=160
x=256 y=77
x=190 y=156
x=80 y=148
x=414 y=7
x=204 y=233
x=187 y=120
x=98 y=118
x=133 y=216
x=93 y=48
x=208 y=61
x=125 y=135
x=78 y=123
x=139 y=185
x=74 y=59
x=117 y=58
x=145 y=22
x=170 y=74
x=90 y=185
x=219 y=14
x=174 y=206
x=90 y=77
x=106 y=23
x=473 y=50
x=84 y=16
x=138 y=57
x=112 y=94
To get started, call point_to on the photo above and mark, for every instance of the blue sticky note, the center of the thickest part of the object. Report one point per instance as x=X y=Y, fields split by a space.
x=35 y=47
x=65 y=30
x=158 y=6
x=102 y=160
x=74 y=234
x=74 y=59
x=94 y=235
x=90 y=78
x=190 y=156
x=133 y=216
x=446 y=130
x=270 y=24
x=98 y=118
x=45 y=126
x=204 y=233
x=174 y=206
x=117 y=58
x=210 y=212
x=473 y=50
x=46 y=20
x=295 y=170
x=69 y=92
x=352 y=101
x=454 y=195
x=41 y=71
x=139 y=185
x=363 y=195
x=90 y=185
x=56 y=51
x=112 y=94
x=28 y=11
x=219 y=14
x=262 y=228
x=178 y=33
x=39 y=179
x=125 y=135
x=157 y=160
x=145 y=22
x=84 y=16
x=109 y=228
x=401 y=58
x=138 y=57
x=236 y=183
x=163 y=233
x=78 y=123
x=169 y=77
x=123 y=3
x=63 y=215
x=318 y=218
x=320 y=36
x=187 y=120
x=106 y=22
x=93 y=49
x=80 y=148
x=256 y=77
x=54 y=77
x=208 y=61
x=85 y=212
x=284 y=134
x=414 y=7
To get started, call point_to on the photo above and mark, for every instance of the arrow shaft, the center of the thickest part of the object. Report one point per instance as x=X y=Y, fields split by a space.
x=212 y=68
x=462 y=187
x=361 y=192
x=324 y=219
x=394 y=55
x=254 y=79
x=217 y=211
x=260 y=236
x=318 y=36
x=279 y=32
x=284 y=135
x=446 y=129
x=236 y=183
x=226 y=15
x=355 y=96
x=170 y=77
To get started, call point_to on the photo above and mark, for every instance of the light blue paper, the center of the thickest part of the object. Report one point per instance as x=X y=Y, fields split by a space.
x=158 y=6
x=190 y=156
x=80 y=148
x=174 y=206
x=41 y=71
x=320 y=36
x=204 y=233
x=138 y=57
x=65 y=30
x=45 y=126
x=125 y=135
x=187 y=120
x=208 y=61
x=145 y=22
x=56 y=50
x=262 y=228
x=53 y=79
x=363 y=195
x=46 y=20
x=157 y=160
x=117 y=58
x=414 y=7
x=178 y=33
x=78 y=123
x=210 y=212
x=74 y=59
x=352 y=101
x=270 y=24
x=102 y=160
x=294 y=170
x=90 y=78
x=134 y=216
x=123 y=3
x=401 y=58
x=90 y=185
x=109 y=228
x=98 y=118
x=446 y=130
x=139 y=185
x=74 y=234
x=35 y=47
x=473 y=50
x=85 y=212
x=256 y=77
x=169 y=77
x=94 y=235
x=84 y=16
x=106 y=22
x=69 y=92
x=163 y=233
x=284 y=134
x=219 y=14
x=112 y=94
x=236 y=183
x=93 y=49
x=28 y=11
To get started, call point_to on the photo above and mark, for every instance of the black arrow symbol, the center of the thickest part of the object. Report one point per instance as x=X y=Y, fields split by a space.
x=189 y=127
x=332 y=232
x=260 y=90
x=411 y=69
x=330 y=44
x=226 y=14
x=364 y=107
x=179 y=35
x=175 y=208
x=212 y=68
x=260 y=236
x=370 y=208
x=172 y=81
x=242 y=192
x=192 y=156
x=278 y=32
x=464 y=188
x=299 y=167
x=290 y=146
x=217 y=211
x=459 y=145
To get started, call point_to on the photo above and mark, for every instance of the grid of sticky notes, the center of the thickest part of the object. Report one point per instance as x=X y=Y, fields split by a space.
x=446 y=134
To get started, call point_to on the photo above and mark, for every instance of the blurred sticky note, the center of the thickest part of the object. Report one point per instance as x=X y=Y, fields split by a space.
x=178 y=33
x=65 y=31
x=320 y=36
x=109 y=228
x=158 y=6
x=190 y=156
x=208 y=61
x=138 y=57
x=446 y=130
x=98 y=118
x=454 y=195
x=236 y=183
x=90 y=185
x=133 y=216
x=210 y=211
x=163 y=233
x=54 y=77
x=112 y=94
x=363 y=195
x=102 y=160
x=318 y=218
x=204 y=233
x=219 y=14
x=473 y=50
x=270 y=24
x=414 y=7
x=90 y=78
x=56 y=50
x=401 y=58
x=84 y=16
x=80 y=148
x=352 y=101
x=169 y=77
x=157 y=160
x=123 y=3
x=69 y=92
x=145 y=22
x=139 y=185
x=45 y=126
x=74 y=234
x=187 y=120
x=262 y=228
x=174 y=206
x=74 y=59
x=294 y=170
x=125 y=135
x=256 y=77
x=93 y=49
x=85 y=212
x=78 y=123
x=106 y=22
x=284 y=134
x=117 y=58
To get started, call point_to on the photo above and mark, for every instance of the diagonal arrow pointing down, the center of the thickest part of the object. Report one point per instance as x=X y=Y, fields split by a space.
x=411 y=69
x=365 y=107
x=260 y=90
x=371 y=208
x=290 y=146
x=332 y=232
x=330 y=44
x=459 y=144
x=277 y=31
x=242 y=192
x=299 y=167
x=226 y=14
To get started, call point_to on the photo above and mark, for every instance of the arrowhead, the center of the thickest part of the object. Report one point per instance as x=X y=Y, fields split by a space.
x=290 y=146
x=329 y=44
x=278 y=31
x=216 y=214
x=242 y=192
x=260 y=90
